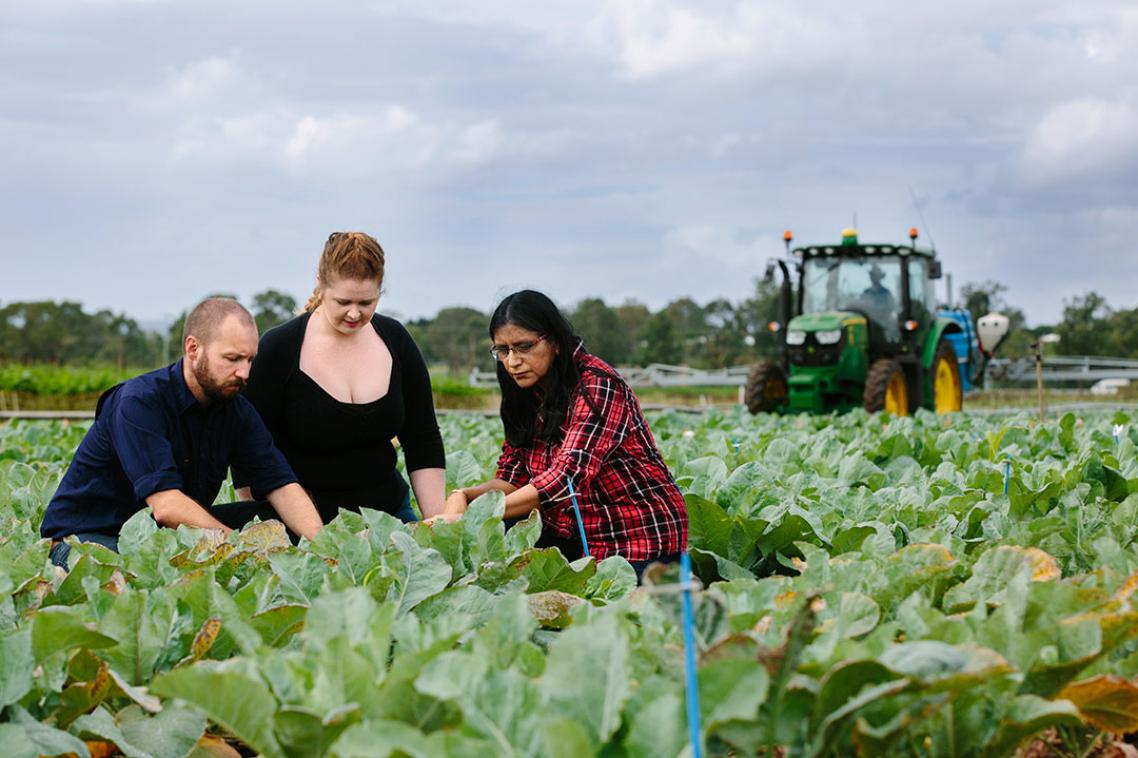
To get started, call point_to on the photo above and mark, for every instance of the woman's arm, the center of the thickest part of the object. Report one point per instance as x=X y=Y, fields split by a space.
x=296 y=509
x=429 y=485
x=419 y=437
x=519 y=500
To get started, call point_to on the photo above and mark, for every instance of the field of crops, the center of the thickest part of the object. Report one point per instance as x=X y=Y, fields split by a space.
x=874 y=586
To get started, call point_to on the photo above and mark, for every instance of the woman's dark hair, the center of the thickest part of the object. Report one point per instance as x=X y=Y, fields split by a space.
x=522 y=407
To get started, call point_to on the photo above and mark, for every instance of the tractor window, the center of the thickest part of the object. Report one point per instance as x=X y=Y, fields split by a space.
x=871 y=286
x=921 y=293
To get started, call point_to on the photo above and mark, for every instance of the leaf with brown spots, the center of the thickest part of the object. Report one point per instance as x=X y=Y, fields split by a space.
x=1108 y=702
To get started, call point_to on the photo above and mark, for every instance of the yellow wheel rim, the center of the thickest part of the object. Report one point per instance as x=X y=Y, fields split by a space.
x=896 y=396
x=946 y=388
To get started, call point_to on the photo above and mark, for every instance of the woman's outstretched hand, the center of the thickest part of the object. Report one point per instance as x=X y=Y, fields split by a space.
x=455 y=506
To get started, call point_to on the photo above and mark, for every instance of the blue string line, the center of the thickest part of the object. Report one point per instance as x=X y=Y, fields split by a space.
x=692 y=682
x=1007 y=474
x=577 y=510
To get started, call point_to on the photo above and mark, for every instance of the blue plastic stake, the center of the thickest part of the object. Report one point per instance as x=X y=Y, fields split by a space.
x=692 y=681
x=1007 y=474
x=735 y=444
x=577 y=510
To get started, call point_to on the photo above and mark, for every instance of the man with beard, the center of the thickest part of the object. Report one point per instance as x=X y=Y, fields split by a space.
x=165 y=440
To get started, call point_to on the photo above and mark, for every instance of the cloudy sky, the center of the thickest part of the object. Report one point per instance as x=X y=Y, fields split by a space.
x=153 y=152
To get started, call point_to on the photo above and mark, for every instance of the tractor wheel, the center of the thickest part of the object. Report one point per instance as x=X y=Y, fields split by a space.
x=766 y=388
x=885 y=388
x=948 y=393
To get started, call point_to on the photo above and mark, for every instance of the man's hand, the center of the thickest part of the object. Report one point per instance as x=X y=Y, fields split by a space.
x=172 y=508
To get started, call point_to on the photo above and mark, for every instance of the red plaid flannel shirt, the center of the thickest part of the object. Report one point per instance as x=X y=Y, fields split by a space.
x=629 y=502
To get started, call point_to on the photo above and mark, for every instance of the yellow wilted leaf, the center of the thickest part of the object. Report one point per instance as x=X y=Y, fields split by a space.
x=1107 y=702
x=1128 y=588
x=924 y=553
x=1044 y=567
x=102 y=749
x=785 y=599
x=213 y=747
x=267 y=535
x=205 y=638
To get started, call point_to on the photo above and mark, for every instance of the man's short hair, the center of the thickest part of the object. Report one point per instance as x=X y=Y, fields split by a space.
x=206 y=317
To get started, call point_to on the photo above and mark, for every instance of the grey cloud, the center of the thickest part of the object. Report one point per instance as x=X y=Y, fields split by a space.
x=641 y=149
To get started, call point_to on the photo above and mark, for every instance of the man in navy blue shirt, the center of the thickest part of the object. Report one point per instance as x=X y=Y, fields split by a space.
x=165 y=440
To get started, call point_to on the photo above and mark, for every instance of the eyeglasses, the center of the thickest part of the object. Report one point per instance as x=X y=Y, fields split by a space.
x=502 y=352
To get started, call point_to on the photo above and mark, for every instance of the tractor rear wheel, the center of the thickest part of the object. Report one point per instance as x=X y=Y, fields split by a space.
x=948 y=392
x=885 y=388
x=766 y=389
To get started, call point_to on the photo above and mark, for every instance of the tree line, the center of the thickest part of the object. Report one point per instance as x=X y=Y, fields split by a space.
x=717 y=334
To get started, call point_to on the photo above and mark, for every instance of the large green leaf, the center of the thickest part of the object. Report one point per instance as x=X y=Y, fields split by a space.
x=1028 y=715
x=660 y=728
x=17 y=665
x=501 y=706
x=303 y=732
x=731 y=688
x=58 y=628
x=231 y=694
x=417 y=572
x=46 y=739
x=143 y=622
x=169 y=734
x=587 y=675
x=547 y=569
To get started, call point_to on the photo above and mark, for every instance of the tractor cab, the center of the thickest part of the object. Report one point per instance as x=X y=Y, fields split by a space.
x=858 y=327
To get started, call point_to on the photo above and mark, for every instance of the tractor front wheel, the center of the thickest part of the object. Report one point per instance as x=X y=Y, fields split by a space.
x=766 y=389
x=885 y=388
x=948 y=393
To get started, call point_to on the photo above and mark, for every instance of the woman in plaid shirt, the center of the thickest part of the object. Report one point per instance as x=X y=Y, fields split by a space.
x=570 y=416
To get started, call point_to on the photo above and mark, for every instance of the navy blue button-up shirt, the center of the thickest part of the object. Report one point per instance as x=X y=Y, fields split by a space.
x=150 y=434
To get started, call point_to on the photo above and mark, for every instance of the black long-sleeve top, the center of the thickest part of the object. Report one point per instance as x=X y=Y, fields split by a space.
x=342 y=453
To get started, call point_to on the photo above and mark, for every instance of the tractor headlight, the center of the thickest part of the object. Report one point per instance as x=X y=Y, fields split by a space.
x=795 y=337
x=828 y=338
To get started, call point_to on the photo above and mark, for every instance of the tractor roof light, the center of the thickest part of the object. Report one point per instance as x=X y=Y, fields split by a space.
x=911 y=325
x=828 y=337
x=787 y=236
x=773 y=326
x=913 y=234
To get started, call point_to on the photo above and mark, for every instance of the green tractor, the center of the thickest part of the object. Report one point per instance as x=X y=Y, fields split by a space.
x=858 y=326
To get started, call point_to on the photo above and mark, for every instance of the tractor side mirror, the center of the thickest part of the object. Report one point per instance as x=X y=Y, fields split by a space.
x=935 y=270
x=991 y=329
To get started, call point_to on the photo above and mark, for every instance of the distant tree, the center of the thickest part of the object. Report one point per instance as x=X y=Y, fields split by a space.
x=634 y=318
x=756 y=313
x=660 y=342
x=457 y=337
x=602 y=330
x=62 y=332
x=1084 y=329
x=1123 y=340
x=726 y=340
x=271 y=308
